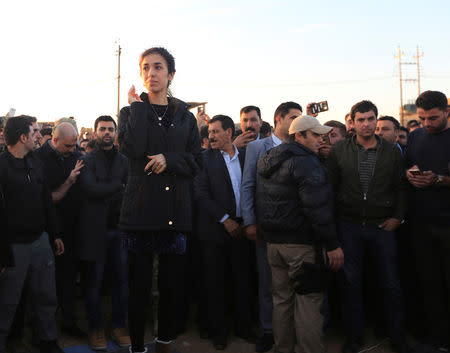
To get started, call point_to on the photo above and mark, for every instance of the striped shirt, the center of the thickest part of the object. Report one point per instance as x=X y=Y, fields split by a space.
x=367 y=159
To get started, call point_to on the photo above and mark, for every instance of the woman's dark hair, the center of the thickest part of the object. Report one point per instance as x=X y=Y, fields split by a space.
x=17 y=126
x=170 y=60
x=225 y=121
x=363 y=107
x=432 y=99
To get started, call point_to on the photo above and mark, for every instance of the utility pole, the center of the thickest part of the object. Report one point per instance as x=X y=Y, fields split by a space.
x=119 y=52
x=400 y=64
x=417 y=57
x=399 y=56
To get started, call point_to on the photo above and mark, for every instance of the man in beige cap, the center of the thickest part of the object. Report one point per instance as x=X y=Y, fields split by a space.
x=294 y=204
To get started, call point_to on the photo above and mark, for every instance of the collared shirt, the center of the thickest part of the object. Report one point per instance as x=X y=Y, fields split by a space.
x=235 y=172
x=276 y=140
x=367 y=159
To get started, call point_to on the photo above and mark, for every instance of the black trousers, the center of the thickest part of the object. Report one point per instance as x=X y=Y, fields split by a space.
x=67 y=267
x=431 y=245
x=232 y=254
x=170 y=284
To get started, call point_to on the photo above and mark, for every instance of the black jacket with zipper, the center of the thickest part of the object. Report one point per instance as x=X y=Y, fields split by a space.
x=26 y=206
x=294 y=200
x=386 y=195
x=159 y=202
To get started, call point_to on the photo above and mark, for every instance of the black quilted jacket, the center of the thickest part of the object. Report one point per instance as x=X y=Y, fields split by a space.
x=294 y=198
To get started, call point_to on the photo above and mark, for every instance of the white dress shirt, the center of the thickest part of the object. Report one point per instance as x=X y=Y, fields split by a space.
x=235 y=172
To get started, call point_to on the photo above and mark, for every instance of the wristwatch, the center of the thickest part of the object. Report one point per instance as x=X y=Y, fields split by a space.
x=439 y=179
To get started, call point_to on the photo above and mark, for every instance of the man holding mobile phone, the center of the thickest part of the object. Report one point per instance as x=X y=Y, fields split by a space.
x=428 y=160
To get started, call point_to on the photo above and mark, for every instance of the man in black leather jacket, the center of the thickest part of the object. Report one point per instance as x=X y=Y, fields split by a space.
x=295 y=206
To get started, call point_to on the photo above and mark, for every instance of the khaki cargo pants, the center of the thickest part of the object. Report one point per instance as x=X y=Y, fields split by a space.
x=297 y=321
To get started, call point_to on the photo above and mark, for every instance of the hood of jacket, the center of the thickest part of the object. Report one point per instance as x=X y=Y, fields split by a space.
x=272 y=160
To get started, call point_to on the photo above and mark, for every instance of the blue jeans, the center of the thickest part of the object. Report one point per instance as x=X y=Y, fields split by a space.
x=381 y=246
x=116 y=257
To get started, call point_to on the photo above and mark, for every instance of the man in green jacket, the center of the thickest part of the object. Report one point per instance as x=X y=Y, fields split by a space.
x=368 y=178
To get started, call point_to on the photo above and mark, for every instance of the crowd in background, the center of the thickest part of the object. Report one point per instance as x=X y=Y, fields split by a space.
x=290 y=228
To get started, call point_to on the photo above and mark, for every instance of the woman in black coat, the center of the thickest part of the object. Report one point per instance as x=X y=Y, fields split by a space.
x=160 y=138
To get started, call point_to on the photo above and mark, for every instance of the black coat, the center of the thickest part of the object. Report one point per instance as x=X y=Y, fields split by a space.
x=294 y=199
x=159 y=202
x=57 y=169
x=102 y=185
x=214 y=195
x=26 y=207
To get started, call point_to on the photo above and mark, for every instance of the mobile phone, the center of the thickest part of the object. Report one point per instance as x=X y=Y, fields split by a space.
x=11 y=112
x=415 y=172
x=200 y=109
x=319 y=107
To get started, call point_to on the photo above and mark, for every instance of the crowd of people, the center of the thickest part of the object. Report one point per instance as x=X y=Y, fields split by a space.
x=282 y=226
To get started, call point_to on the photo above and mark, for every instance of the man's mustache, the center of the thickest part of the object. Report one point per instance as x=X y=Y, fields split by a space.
x=212 y=140
x=250 y=128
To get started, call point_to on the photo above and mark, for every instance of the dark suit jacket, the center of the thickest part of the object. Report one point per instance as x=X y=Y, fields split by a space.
x=214 y=195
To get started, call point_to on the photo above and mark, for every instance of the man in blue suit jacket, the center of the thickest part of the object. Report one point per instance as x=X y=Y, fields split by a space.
x=217 y=191
x=284 y=114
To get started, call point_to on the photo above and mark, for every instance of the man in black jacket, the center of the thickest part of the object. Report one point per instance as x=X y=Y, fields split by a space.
x=368 y=177
x=62 y=168
x=28 y=223
x=102 y=180
x=428 y=160
x=217 y=190
x=295 y=209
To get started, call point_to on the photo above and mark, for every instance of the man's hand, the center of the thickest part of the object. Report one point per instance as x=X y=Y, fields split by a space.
x=244 y=139
x=202 y=119
x=426 y=178
x=59 y=247
x=232 y=227
x=336 y=258
x=75 y=172
x=390 y=224
x=251 y=231
x=324 y=150
x=132 y=96
x=157 y=164
x=308 y=110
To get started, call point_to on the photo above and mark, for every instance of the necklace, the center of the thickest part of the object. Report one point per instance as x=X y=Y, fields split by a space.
x=154 y=111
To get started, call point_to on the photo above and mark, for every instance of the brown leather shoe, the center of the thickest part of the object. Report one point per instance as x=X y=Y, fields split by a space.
x=121 y=337
x=97 y=340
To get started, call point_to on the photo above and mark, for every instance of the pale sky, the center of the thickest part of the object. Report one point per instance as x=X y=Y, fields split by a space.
x=58 y=57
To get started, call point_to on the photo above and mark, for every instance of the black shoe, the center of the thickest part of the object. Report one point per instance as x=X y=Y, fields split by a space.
x=50 y=347
x=220 y=343
x=73 y=331
x=264 y=343
x=351 y=347
x=17 y=346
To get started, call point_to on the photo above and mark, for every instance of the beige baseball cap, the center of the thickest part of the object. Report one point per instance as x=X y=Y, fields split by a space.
x=307 y=122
